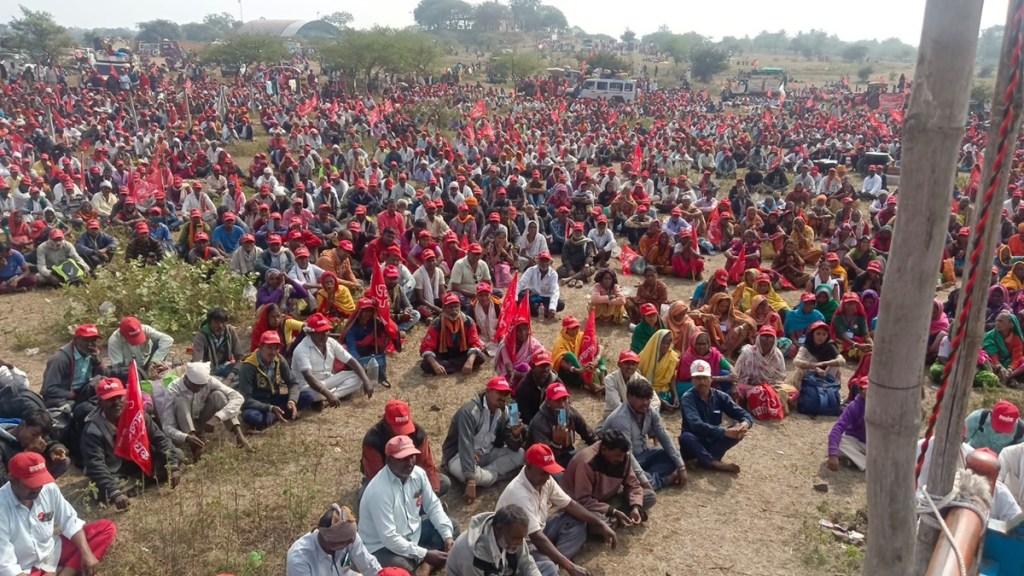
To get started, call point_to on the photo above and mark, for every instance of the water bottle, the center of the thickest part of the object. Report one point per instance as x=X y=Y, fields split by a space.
x=373 y=372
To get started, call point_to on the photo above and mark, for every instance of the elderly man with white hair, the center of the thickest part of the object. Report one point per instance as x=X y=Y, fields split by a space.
x=199 y=397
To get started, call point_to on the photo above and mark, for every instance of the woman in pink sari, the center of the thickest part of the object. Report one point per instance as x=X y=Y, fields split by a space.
x=519 y=345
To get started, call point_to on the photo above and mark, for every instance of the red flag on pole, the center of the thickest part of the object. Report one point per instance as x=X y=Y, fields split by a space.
x=479 y=110
x=589 y=347
x=132 y=439
x=524 y=310
x=638 y=156
x=737 y=268
x=379 y=292
x=509 y=310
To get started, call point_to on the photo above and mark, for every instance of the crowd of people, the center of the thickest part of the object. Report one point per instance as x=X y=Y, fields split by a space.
x=370 y=223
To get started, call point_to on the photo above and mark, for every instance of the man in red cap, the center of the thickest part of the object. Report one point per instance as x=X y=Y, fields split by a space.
x=541 y=283
x=452 y=342
x=134 y=340
x=615 y=383
x=997 y=428
x=397 y=421
x=33 y=508
x=402 y=312
x=315 y=357
x=72 y=367
x=96 y=246
x=243 y=260
x=555 y=539
x=402 y=521
x=271 y=390
x=143 y=247
x=227 y=236
x=557 y=425
x=467 y=272
x=530 y=390
x=58 y=262
x=114 y=476
x=202 y=251
x=376 y=249
x=482 y=446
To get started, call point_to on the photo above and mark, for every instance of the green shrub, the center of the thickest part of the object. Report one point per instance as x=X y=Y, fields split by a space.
x=172 y=296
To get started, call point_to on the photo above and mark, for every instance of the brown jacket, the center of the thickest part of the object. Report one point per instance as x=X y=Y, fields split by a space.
x=590 y=481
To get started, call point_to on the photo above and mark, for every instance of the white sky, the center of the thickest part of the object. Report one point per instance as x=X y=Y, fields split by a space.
x=864 y=19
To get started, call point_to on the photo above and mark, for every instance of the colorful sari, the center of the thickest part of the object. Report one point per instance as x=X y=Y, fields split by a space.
x=719 y=365
x=729 y=331
x=513 y=359
x=660 y=369
x=678 y=320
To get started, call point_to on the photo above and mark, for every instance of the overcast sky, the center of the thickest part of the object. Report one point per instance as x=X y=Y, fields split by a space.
x=865 y=19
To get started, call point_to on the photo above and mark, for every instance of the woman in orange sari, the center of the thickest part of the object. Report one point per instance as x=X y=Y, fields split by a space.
x=678 y=320
x=806 y=247
x=729 y=328
x=659 y=253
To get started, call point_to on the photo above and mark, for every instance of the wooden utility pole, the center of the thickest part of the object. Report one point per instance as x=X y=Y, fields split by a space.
x=932 y=131
x=945 y=455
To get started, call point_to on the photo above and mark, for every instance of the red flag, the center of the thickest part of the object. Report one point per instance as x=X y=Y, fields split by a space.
x=589 y=347
x=626 y=258
x=464 y=242
x=613 y=116
x=767 y=116
x=810 y=103
x=149 y=185
x=897 y=115
x=132 y=439
x=379 y=292
x=714 y=232
x=485 y=131
x=638 y=156
x=479 y=110
x=334 y=108
x=693 y=233
x=188 y=84
x=509 y=310
x=524 y=310
x=374 y=116
x=470 y=134
x=737 y=268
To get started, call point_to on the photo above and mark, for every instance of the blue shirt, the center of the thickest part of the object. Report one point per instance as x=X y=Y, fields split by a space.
x=228 y=240
x=704 y=419
x=160 y=232
x=14 y=266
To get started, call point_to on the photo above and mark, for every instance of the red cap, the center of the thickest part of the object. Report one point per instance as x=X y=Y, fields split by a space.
x=274 y=239
x=484 y=288
x=540 y=357
x=230 y=217
x=541 y=456
x=360 y=210
x=401 y=447
x=110 y=388
x=131 y=329
x=56 y=234
x=556 y=391
x=317 y=322
x=544 y=256
x=767 y=330
x=30 y=469
x=499 y=383
x=494 y=217
x=200 y=236
x=301 y=252
x=346 y=245
x=629 y=356
x=93 y=224
x=397 y=415
x=451 y=298
x=143 y=228
x=875 y=266
x=248 y=238
x=475 y=248
x=391 y=272
x=295 y=235
x=1004 y=417
x=646 y=309
x=270 y=337
x=570 y=322
x=807 y=297
x=195 y=213
x=815 y=325
x=427 y=254
x=87 y=331
x=366 y=304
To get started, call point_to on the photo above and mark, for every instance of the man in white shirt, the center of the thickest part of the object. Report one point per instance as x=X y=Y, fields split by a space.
x=199 y=397
x=555 y=541
x=392 y=528
x=314 y=358
x=333 y=548
x=872 y=183
x=603 y=241
x=541 y=282
x=430 y=286
x=30 y=505
x=467 y=272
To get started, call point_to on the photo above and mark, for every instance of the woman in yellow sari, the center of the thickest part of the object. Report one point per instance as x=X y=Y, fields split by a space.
x=808 y=250
x=1014 y=279
x=744 y=292
x=681 y=324
x=728 y=327
x=838 y=271
x=658 y=363
x=565 y=359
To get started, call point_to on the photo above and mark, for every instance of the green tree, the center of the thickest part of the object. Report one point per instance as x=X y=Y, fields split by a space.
x=224 y=23
x=628 y=35
x=706 y=61
x=773 y=42
x=340 y=19
x=990 y=44
x=245 y=49
x=442 y=14
x=865 y=73
x=199 y=32
x=362 y=54
x=523 y=11
x=606 y=61
x=38 y=34
x=157 y=30
x=515 y=66
x=547 y=18
x=491 y=16
x=854 y=53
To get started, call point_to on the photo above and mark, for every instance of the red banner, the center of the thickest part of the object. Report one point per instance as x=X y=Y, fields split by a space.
x=479 y=110
x=379 y=292
x=132 y=439
x=589 y=348
x=509 y=310
x=738 y=266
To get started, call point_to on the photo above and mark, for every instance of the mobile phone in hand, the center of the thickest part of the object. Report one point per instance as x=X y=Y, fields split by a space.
x=513 y=414
x=563 y=417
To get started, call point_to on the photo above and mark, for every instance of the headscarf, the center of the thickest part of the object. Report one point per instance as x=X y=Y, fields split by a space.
x=737 y=317
x=772 y=296
x=828 y=309
x=678 y=320
x=565 y=345
x=744 y=292
x=1010 y=281
x=509 y=354
x=642 y=333
x=262 y=325
x=797 y=320
x=939 y=324
x=768 y=317
x=713 y=357
x=824 y=352
x=719 y=278
x=995 y=344
x=993 y=310
x=757 y=368
x=660 y=370
x=870 y=311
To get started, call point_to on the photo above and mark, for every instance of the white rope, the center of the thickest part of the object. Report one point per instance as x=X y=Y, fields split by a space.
x=969 y=491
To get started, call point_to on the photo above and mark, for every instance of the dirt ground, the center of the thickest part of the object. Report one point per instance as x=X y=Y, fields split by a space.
x=230 y=505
